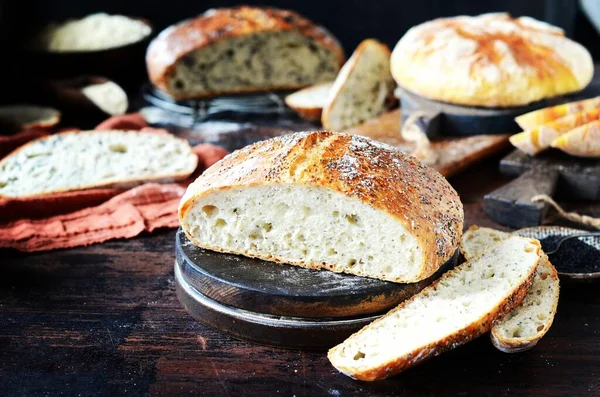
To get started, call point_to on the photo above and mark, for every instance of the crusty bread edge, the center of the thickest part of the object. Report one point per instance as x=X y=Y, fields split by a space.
x=121 y=184
x=472 y=331
x=515 y=345
x=343 y=76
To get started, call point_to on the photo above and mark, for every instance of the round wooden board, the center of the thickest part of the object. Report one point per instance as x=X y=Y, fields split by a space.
x=283 y=290
x=457 y=120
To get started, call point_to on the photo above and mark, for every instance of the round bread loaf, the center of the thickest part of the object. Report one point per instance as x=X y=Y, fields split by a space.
x=491 y=60
x=324 y=200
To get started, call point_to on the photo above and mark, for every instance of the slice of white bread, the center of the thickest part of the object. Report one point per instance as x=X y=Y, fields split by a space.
x=582 y=141
x=310 y=101
x=362 y=89
x=325 y=200
x=460 y=306
x=90 y=159
x=29 y=116
x=525 y=325
x=107 y=96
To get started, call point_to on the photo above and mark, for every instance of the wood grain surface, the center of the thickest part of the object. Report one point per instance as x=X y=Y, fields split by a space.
x=104 y=320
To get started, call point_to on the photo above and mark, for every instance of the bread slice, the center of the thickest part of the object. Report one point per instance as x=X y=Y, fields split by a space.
x=525 y=325
x=29 y=116
x=539 y=117
x=458 y=307
x=324 y=200
x=90 y=159
x=362 y=89
x=242 y=50
x=540 y=138
x=310 y=101
x=107 y=96
x=582 y=141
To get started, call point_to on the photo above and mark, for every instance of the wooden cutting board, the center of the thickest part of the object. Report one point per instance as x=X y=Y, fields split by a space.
x=454 y=154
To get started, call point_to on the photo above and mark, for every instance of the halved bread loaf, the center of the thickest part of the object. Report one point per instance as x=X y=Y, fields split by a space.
x=582 y=141
x=242 y=49
x=541 y=137
x=526 y=324
x=324 y=200
x=89 y=159
x=363 y=88
x=456 y=308
x=310 y=101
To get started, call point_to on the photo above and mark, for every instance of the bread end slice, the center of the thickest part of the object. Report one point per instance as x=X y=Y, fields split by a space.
x=523 y=327
x=363 y=88
x=460 y=306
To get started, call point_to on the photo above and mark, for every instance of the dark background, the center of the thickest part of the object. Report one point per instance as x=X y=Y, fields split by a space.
x=350 y=20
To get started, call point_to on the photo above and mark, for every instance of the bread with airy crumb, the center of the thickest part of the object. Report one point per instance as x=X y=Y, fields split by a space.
x=461 y=305
x=524 y=326
x=325 y=200
x=310 y=101
x=362 y=90
x=92 y=159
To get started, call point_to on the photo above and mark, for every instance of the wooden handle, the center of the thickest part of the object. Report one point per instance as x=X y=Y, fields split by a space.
x=511 y=204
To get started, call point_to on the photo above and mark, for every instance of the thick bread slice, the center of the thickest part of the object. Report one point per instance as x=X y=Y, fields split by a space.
x=460 y=306
x=362 y=89
x=582 y=141
x=240 y=50
x=539 y=117
x=525 y=325
x=91 y=159
x=29 y=116
x=542 y=137
x=324 y=200
x=310 y=101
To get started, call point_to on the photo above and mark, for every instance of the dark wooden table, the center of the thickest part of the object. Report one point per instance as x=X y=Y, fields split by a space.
x=104 y=320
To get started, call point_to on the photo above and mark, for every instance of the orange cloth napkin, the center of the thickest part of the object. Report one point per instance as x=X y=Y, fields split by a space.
x=65 y=220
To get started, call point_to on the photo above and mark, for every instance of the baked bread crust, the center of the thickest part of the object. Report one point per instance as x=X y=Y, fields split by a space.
x=385 y=178
x=223 y=23
x=491 y=60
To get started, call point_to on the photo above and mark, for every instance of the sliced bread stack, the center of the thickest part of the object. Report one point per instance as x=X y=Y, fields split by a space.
x=460 y=306
x=362 y=90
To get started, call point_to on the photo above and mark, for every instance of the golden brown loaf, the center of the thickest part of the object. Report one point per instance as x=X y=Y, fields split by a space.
x=490 y=60
x=242 y=49
x=325 y=200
